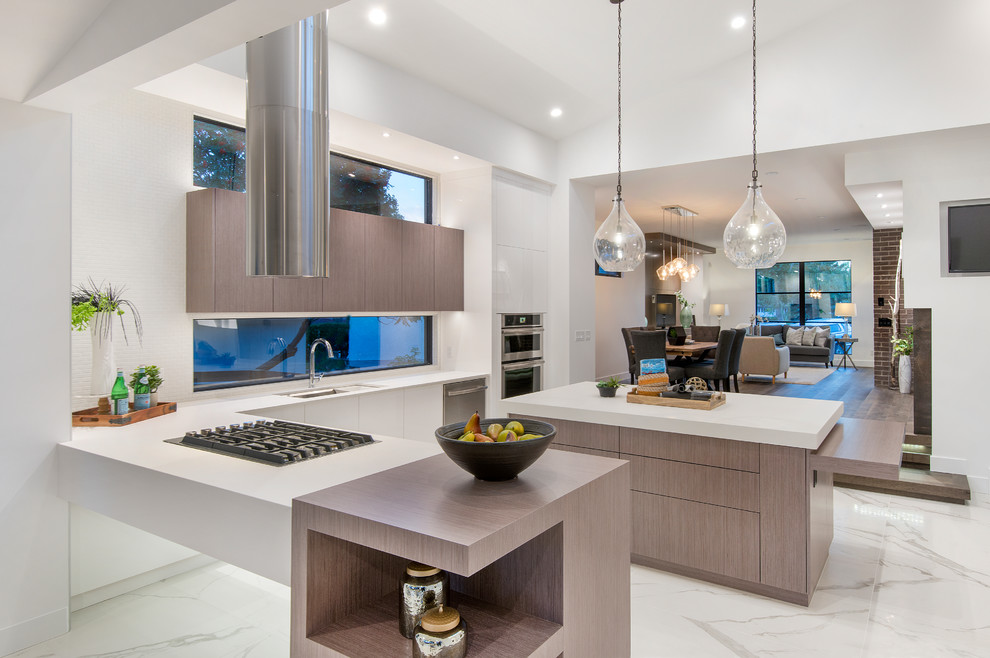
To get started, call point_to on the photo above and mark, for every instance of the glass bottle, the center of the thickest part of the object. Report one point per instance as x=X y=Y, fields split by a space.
x=119 y=395
x=142 y=392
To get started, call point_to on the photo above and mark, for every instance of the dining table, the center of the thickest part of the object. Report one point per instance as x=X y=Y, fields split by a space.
x=692 y=351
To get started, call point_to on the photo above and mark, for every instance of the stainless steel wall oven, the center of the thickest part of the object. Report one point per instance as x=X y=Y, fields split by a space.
x=522 y=353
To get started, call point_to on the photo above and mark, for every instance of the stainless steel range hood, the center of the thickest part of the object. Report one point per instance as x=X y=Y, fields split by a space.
x=288 y=150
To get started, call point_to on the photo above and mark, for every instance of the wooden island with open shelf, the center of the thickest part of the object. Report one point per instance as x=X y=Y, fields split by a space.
x=539 y=565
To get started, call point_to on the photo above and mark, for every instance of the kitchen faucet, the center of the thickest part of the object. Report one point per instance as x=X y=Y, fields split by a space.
x=312 y=359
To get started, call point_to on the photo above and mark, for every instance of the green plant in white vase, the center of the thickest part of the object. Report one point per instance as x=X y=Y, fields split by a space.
x=687 y=315
x=94 y=307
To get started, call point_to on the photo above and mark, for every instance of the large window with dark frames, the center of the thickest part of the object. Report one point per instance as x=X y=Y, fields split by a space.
x=804 y=292
x=375 y=189
x=244 y=351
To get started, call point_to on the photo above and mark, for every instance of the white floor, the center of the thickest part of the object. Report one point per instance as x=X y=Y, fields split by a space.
x=905 y=578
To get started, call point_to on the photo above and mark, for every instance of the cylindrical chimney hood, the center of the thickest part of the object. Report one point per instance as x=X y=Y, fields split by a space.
x=288 y=150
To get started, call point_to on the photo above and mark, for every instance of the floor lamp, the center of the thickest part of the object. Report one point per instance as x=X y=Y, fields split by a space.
x=718 y=310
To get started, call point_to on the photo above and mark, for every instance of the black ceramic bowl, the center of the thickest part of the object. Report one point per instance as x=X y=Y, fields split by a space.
x=496 y=461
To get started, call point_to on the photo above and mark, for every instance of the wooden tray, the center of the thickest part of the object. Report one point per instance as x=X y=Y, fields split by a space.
x=90 y=417
x=716 y=400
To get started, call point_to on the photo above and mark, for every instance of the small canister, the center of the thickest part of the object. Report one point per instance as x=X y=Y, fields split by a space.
x=423 y=587
x=440 y=634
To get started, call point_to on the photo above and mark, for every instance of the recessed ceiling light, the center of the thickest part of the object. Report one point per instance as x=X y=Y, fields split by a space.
x=386 y=134
x=351 y=174
x=886 y=214
x=556 y=112
x=457 y=157
x=799 y=198
x=879 y=195
x=883 y=205
x=820 y=217
x=377 y=16
x=738 y=22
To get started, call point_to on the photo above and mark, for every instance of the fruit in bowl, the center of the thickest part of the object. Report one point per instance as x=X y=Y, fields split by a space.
x=514 y=448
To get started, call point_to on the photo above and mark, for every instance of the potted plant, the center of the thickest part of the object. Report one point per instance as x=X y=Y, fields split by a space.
x=608 y=387
x=903 y=347
x=687 y=315
x=94 y=307
x=154 y=381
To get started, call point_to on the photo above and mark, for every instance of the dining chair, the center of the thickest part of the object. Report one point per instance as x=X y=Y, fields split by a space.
x=653 y=345
x=717 y=370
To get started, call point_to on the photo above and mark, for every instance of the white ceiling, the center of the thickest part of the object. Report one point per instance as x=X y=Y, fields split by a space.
x=517 y=58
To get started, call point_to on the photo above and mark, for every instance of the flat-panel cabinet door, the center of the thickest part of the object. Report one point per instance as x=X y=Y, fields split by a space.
x=423 y=412
x=235 y=290
x=383 y=263
x=338 y=413
x=344 y=287
x=298 y=294
x=381 y=413
x=418 y=259
x=449 y=269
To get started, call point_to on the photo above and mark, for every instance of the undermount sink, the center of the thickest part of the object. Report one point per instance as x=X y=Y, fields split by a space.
x=324 y=392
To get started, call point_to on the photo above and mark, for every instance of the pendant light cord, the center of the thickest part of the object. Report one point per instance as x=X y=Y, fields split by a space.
x=755 y=172
x=618 y=186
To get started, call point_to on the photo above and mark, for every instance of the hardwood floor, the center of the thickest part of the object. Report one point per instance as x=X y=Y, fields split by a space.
x=854 y=388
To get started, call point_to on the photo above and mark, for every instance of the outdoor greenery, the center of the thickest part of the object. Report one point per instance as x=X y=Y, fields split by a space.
x=802 y=292
x=362 y=187
x=218 y=155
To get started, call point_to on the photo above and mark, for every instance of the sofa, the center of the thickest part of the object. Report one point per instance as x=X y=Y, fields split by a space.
x=760 y=356
x=824 y=353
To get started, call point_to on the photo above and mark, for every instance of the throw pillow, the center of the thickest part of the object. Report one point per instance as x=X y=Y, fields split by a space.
x=824 y=333
x=794 y=335
x=778 y=340
x=808 y=337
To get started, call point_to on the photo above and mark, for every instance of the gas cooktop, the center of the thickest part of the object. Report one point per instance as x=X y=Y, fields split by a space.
x=275 y=442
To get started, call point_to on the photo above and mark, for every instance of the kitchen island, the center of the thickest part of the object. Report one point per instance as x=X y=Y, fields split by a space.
x=740 y=495
x=232 y=509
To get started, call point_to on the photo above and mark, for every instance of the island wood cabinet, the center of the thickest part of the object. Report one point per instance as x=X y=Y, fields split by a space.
x=377 y=264
x=752 y=516
x=539 y=565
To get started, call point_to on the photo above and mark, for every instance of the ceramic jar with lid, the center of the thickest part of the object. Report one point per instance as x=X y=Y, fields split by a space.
x=440 y=634
x=423 y=587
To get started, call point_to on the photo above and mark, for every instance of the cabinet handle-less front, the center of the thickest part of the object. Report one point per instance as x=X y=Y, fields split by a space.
x=451 y=394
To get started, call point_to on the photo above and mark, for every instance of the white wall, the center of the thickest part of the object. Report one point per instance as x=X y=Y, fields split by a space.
x=618 y=303
x=729 y=285
x=34 y=264
x=933 y=172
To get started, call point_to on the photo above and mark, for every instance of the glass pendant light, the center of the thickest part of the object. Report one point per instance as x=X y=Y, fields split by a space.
x=693 y=270
x=662 y=271
x=619 y=245
x=754 y=237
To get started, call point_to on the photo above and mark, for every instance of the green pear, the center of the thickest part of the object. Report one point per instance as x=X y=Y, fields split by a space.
x=493 y=430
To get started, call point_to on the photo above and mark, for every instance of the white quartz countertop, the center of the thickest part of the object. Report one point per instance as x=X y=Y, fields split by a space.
x=234 y=509
x=767 y=419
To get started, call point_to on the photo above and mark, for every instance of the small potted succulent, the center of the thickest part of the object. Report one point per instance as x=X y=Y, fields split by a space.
x=154 y=381
x=608 y=387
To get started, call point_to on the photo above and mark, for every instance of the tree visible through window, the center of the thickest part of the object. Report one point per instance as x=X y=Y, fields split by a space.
x=803 y=293
x=377 y=190
x=218 y=155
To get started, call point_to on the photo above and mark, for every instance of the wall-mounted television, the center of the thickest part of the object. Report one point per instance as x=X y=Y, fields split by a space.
x=968 y=239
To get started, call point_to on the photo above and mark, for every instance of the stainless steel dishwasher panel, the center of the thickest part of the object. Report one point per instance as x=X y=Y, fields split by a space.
x=461 y=399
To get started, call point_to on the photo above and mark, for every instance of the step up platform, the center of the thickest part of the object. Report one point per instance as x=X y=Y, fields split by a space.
x=914 y=482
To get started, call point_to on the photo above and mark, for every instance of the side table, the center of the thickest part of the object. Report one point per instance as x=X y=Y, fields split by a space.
x=844 y=347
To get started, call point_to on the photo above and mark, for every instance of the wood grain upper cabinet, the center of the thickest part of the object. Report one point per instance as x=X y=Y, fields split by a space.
x=448 y=292
x=216 y=256
x=418 y=258
x=383 y=263
x=344 y=287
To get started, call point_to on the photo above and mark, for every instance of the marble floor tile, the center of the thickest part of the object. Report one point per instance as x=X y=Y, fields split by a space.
x=905 y=578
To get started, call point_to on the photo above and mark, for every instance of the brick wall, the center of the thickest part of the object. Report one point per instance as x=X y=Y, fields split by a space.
x=886 y=244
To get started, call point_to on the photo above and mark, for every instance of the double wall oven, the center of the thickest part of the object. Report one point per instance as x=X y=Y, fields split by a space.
x=522 y=353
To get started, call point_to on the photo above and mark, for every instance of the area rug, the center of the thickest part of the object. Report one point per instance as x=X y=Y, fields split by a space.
x=796 y=375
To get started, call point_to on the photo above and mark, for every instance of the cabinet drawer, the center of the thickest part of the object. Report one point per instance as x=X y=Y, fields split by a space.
x=583 y=435
x=716 y=539
x=693 y=449
x=703 y=484
x=585 y=451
